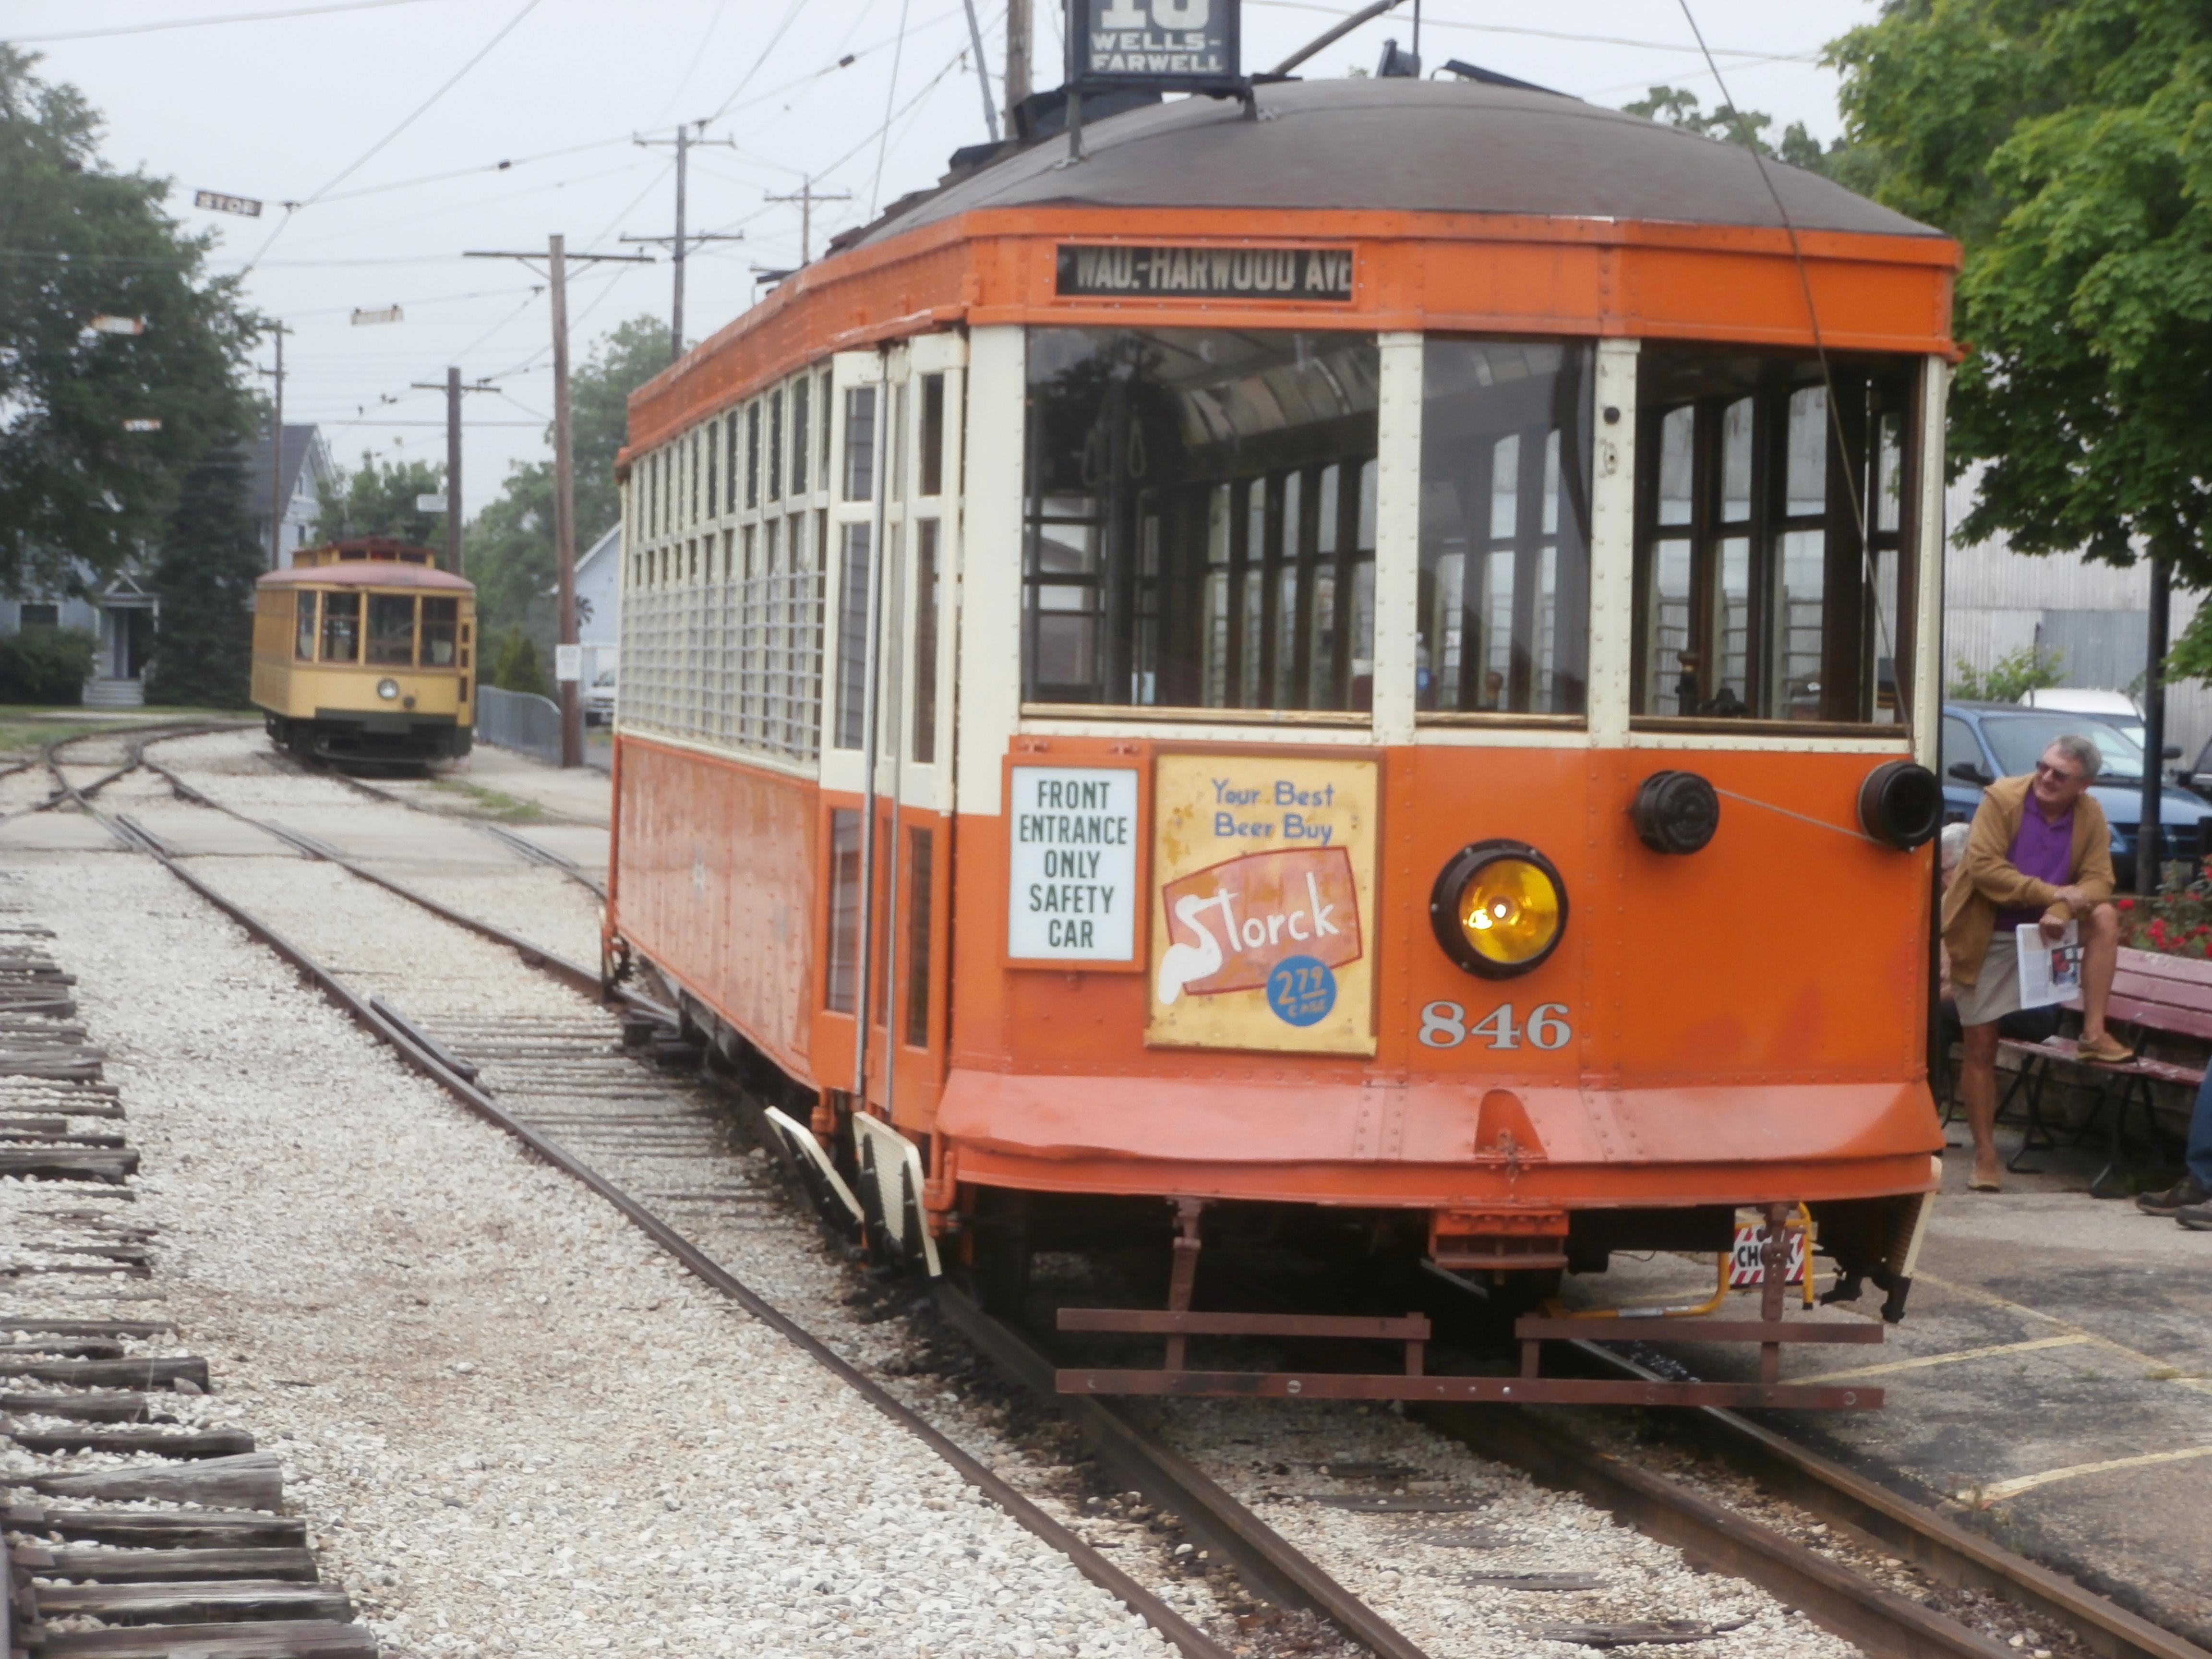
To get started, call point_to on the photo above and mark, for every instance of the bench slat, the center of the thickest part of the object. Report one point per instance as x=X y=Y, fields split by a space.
x=2159 y=966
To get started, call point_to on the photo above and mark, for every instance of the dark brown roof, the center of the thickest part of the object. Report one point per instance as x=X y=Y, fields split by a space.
x=1424 y=146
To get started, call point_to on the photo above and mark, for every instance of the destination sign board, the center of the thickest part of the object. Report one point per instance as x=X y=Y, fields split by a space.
x=1168 y=44
x=1128 y=270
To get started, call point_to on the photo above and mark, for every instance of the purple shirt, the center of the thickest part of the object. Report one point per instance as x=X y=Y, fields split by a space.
x=2042 y=849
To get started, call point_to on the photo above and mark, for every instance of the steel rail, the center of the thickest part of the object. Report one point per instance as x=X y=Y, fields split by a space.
x=574 y=975
x=1947 y=1552
x=425 y=1059
x=77 y=794
x=1270 y=1565
x=528 y=848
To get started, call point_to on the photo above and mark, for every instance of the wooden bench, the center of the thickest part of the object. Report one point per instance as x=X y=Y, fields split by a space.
x=2154 y=996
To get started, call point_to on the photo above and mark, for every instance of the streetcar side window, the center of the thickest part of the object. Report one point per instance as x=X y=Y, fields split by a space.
x=392 y=629
x=800 y=431
x=752 y=454
x=441 y=622
x=1199 y=517
x=1774 y=535
x=841 y=982
x=932 y=457
x=860 y=443
x=921 y=872
x=341 y=628
x=924 y=702
x=1505 y=484
x=853 y=637
x=303 y=638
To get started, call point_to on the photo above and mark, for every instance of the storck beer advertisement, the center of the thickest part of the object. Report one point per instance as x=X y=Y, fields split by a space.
x=1263 y=899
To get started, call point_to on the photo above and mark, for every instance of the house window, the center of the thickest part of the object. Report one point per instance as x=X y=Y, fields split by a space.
x=34 y=614
x=1758 y=595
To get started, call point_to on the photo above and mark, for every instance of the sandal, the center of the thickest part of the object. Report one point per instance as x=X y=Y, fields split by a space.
x=2107 y=1050
x=1981 y=1183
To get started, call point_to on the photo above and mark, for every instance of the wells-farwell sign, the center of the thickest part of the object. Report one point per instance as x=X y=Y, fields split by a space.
x=1206 y=273
x=1162 y=43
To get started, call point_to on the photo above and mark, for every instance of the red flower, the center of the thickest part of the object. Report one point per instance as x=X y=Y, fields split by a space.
x=2127 y=904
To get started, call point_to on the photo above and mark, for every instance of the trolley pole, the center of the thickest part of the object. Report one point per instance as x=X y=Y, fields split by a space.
x=556 y=257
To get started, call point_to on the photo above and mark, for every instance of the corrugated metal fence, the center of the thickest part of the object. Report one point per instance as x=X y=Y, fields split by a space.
x=520 y=720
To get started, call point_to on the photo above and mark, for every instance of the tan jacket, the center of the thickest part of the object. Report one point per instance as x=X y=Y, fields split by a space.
x=1985 y=882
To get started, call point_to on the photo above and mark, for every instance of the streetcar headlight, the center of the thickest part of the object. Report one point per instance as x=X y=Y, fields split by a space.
x=1499 y=909
x=387 y=689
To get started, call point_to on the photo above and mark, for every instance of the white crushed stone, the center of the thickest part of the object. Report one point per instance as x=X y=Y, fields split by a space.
x=515 y=1426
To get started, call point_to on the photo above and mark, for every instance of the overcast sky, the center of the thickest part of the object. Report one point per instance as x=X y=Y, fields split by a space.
x=303 y=109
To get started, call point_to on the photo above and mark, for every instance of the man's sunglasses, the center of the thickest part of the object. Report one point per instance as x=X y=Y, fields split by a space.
x=2045 y=770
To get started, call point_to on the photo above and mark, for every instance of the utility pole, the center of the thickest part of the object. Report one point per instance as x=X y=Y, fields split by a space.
x=679 y=244
x=453 y=389
x=807 y=196
x=1018 y=61
x=556 y=257
x=2150 y=839
x=277 y=457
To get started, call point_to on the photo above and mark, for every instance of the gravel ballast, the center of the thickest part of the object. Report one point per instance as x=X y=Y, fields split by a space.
x=521 y=1429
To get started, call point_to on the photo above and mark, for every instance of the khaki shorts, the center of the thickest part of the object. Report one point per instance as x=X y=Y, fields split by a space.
x=1995 y=991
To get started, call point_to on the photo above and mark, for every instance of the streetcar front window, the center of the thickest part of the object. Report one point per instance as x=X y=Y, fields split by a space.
x=1774 y=535
x=1505 y=484
x=392 y=629
x=1200 y=519
x=341 y=628
x=303 y=636
x=441 y=628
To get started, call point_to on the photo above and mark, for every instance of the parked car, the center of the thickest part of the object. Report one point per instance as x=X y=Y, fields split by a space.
x=600 y=699
x=2116 y=708
x=1985 y=741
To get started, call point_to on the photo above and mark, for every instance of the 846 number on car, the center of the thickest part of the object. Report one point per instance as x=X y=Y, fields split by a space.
x=1444 y=1025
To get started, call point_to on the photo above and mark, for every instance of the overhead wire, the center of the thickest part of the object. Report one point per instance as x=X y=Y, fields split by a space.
x=891 y=98
x=746 y=79
x=419 y=110
x=204 y=23
x=1845 y=466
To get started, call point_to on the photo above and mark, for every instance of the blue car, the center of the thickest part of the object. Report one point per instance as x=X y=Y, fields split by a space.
x=1985 y=741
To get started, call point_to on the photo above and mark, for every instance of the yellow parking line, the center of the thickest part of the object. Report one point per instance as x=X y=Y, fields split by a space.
x=2004 y=1489
x=1991 y=1352
x=1975 y=1293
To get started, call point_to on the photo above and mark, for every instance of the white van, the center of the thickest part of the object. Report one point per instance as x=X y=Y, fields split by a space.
x=2113 y=707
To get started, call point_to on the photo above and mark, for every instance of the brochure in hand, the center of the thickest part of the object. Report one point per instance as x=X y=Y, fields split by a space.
x=2049 y=973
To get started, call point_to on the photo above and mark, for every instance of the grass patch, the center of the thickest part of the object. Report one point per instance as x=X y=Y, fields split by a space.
x=493 y=802
x=24 y=727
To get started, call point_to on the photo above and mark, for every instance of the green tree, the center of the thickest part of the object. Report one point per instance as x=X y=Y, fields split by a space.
x=2067 y=144
x=510 y=544
x=45 y=665
x=78 y=241
x=377 y=499
x=204 y=576
x=1799 y=149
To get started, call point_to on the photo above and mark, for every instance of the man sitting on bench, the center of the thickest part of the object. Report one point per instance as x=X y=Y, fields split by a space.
x=2039 y=852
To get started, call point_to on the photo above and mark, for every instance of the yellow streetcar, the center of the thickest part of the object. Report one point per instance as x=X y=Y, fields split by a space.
x=362 y=652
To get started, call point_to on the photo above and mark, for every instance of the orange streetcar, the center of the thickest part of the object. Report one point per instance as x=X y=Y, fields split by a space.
x=1363 y=678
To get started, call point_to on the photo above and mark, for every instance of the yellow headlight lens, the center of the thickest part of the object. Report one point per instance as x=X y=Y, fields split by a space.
x=1509 y=909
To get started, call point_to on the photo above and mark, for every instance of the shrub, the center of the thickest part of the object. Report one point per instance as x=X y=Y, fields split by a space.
x=45 y=665
x=2031 y=668
x=515 y=666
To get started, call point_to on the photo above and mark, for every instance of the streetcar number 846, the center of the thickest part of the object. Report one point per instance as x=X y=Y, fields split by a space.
x=1443 y=1025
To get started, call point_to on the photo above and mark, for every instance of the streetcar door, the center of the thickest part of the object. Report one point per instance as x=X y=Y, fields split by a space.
x=895 y=578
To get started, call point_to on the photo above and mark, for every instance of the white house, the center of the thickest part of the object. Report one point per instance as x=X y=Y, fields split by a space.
x=306 y=468
x=598 y=603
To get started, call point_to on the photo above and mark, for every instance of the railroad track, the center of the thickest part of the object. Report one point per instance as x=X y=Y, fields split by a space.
x=110 y=1568
x=568 y=1089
